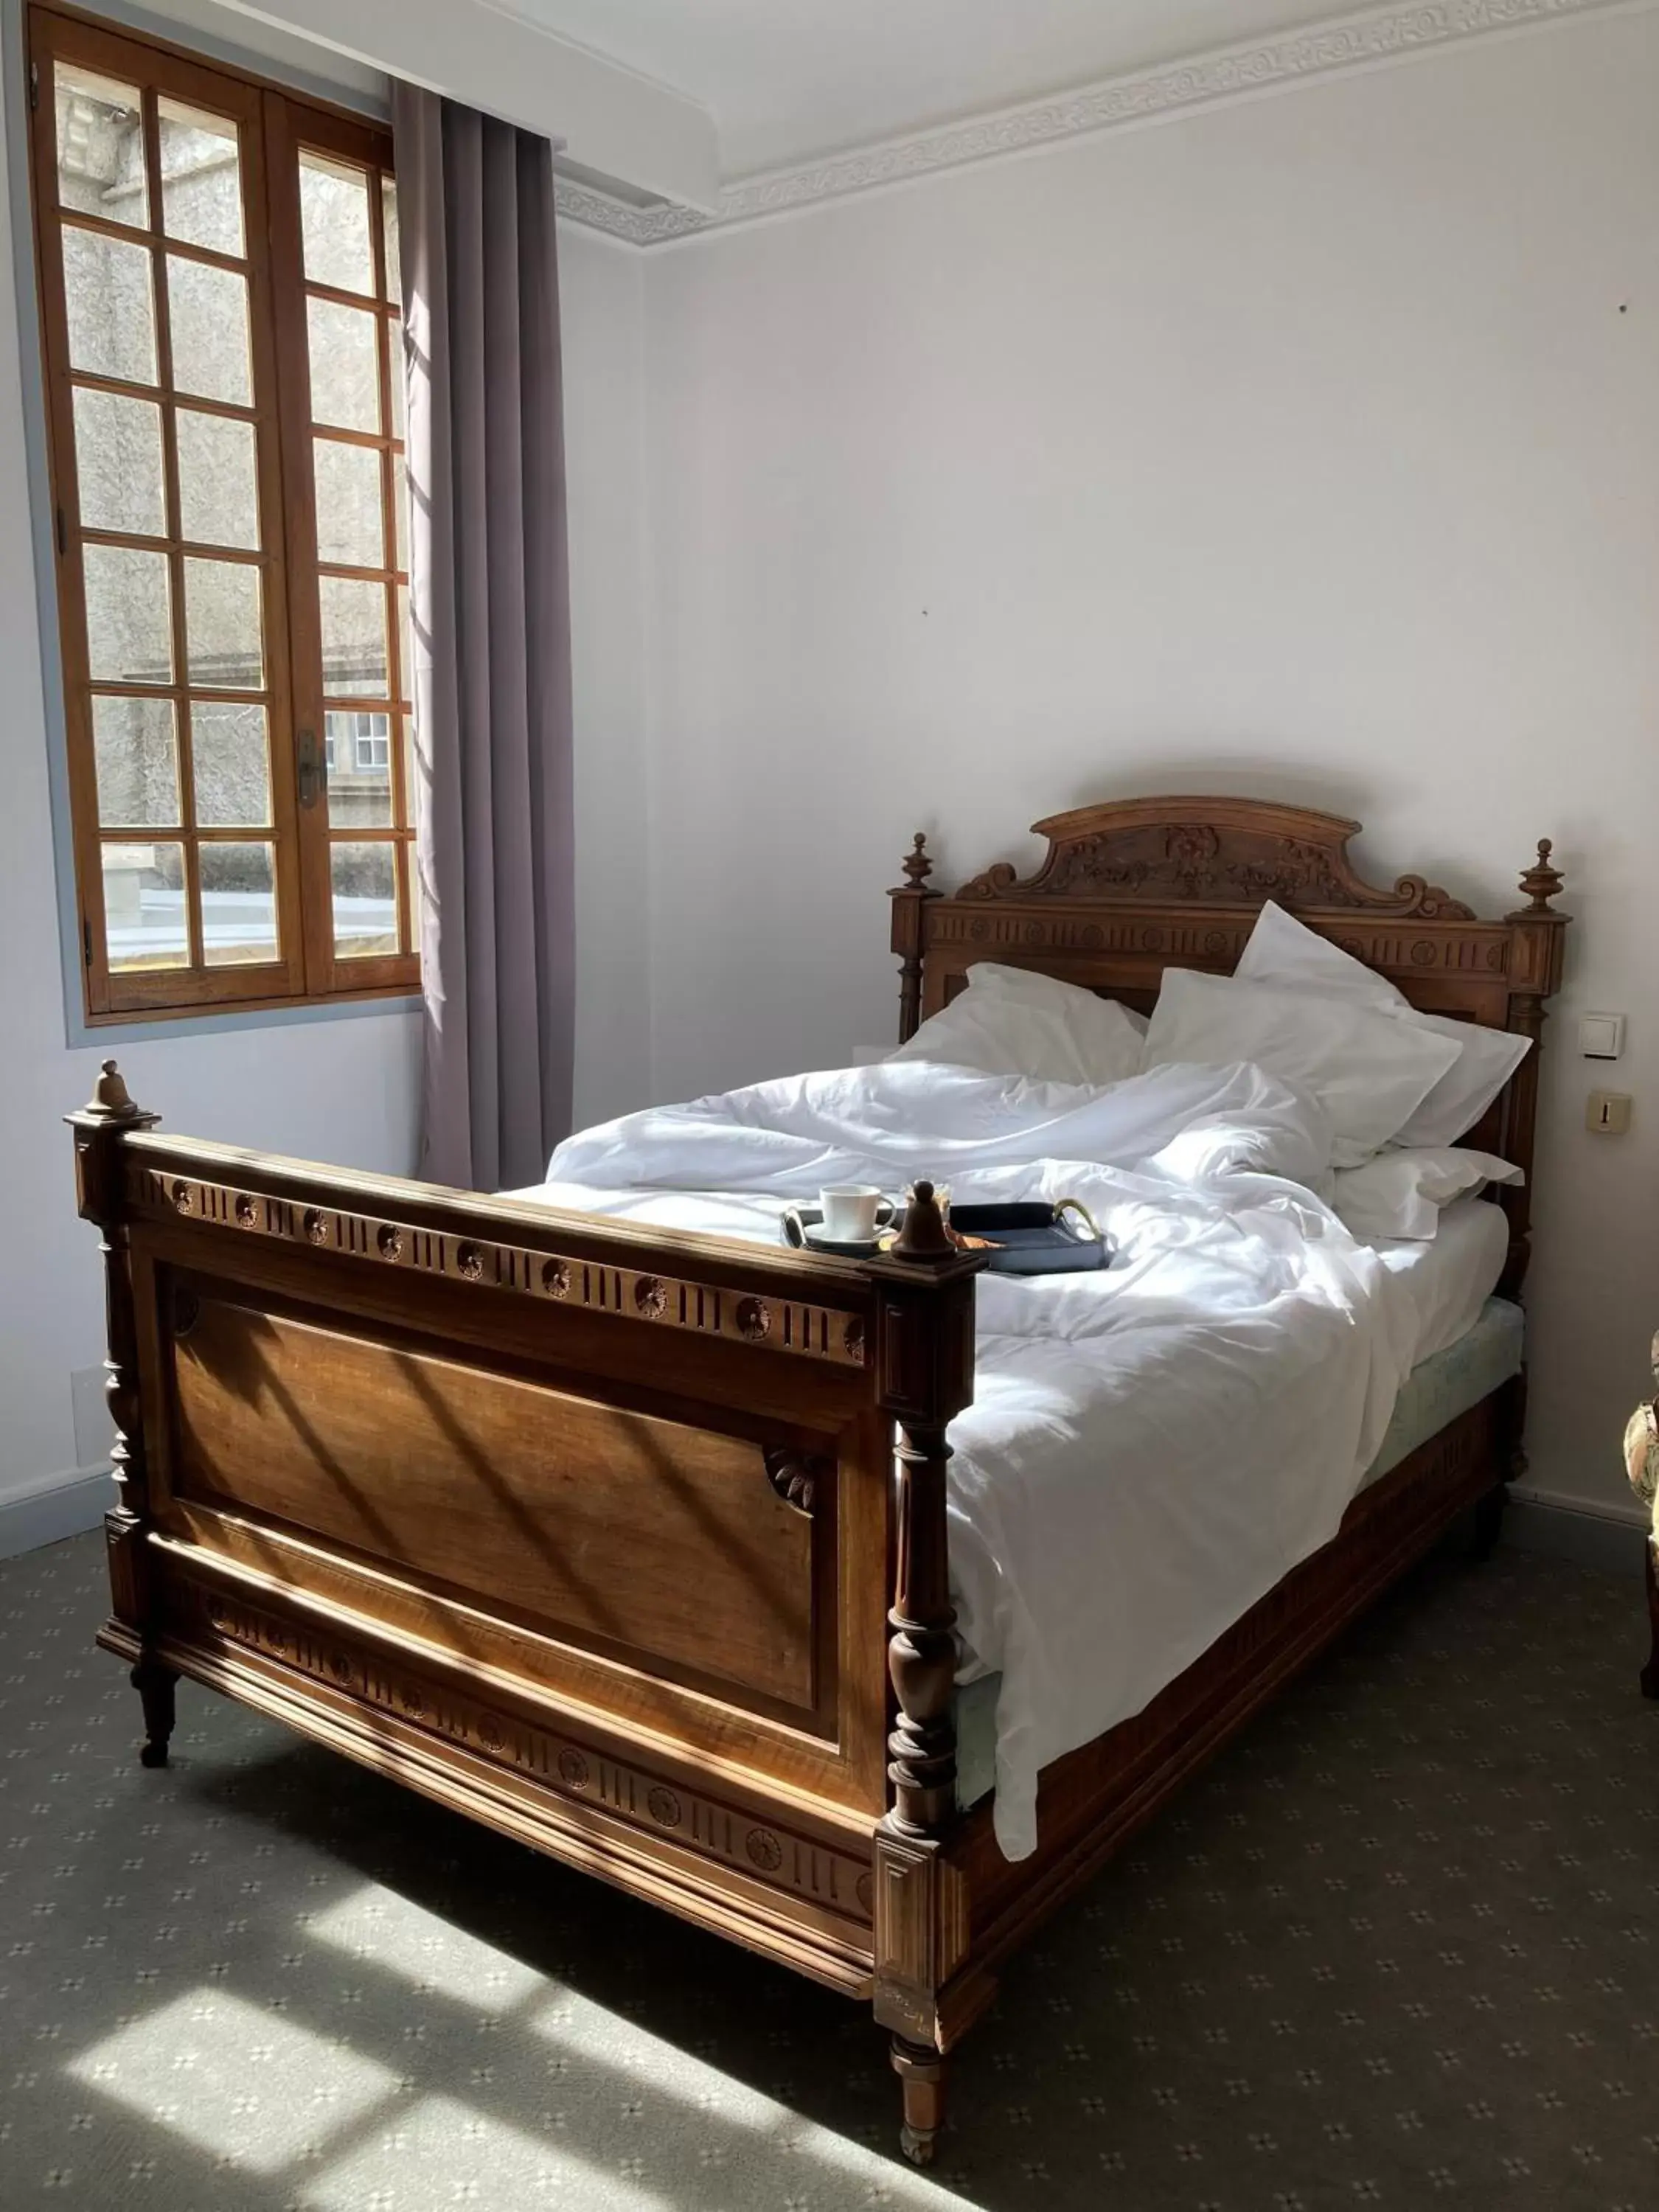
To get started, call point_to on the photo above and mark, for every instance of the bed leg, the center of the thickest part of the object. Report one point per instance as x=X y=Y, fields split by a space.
x=1488 y=1521
x=921 y=2071
x=154 y=1683
x=1512 y=1465
x=1651 y=1671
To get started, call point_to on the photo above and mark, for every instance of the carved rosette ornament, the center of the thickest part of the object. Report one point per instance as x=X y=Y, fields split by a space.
x=797 y=1477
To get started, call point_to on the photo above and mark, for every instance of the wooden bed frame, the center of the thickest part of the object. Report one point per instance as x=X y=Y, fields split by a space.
x=631 y=1544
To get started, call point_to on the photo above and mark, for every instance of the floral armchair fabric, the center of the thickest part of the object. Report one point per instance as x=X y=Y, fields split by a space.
x=1641 y=1465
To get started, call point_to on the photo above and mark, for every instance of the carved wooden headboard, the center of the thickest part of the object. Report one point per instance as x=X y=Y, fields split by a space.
x=1136 y=885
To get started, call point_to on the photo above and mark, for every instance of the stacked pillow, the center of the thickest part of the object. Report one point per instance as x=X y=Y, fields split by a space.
x=1283 y=953
x=1368 y=1071
x=1400 y=1192
x=1398 y=1087
x=1010 y=1021
x=1386 y=1075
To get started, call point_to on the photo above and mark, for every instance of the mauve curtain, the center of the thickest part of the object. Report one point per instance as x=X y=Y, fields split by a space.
x=490 y=600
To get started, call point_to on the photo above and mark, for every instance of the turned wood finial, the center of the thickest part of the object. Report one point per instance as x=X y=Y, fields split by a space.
x=917 y=864
x=924 y=1236
x=1542 y=882
x=111 y=1100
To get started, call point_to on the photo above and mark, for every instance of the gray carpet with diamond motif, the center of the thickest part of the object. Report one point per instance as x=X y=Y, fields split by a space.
x=1398 y=1946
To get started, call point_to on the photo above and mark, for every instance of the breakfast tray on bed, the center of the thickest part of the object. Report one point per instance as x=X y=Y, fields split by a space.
x=1029 y=1238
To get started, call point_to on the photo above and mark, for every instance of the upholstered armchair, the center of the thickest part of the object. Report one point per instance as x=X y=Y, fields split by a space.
x=1641 y=1465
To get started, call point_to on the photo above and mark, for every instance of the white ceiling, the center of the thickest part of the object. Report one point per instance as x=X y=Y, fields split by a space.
x=789 y=79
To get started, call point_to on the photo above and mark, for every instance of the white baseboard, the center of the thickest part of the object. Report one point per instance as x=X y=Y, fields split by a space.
x=64 y=1505
x=1609 y=1538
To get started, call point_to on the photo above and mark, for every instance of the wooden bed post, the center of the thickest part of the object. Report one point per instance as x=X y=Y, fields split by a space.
x=101 y=1127
x=909 y=902
x=926 y=1371
x=1536 y=944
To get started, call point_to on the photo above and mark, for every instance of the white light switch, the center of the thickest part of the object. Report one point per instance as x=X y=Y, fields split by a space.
x=1601 y=1036
x=1607 y=1112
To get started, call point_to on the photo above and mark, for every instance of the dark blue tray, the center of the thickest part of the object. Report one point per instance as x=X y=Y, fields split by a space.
x=1024 y=1239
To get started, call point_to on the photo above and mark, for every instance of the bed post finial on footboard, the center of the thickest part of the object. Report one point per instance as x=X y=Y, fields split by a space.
x=909 y=900
x=926 y=1310
x=101 y=1128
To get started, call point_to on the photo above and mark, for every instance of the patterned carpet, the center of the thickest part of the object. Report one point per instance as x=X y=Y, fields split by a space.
x=1398 y=1948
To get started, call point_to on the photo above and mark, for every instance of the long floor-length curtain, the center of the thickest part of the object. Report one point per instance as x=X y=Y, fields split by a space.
x=490 y=603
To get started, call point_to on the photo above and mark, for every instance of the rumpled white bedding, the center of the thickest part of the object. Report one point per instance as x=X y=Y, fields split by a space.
x=1150 y=1449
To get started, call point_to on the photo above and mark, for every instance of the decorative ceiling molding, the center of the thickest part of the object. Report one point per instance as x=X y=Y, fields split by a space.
x=1351 y=42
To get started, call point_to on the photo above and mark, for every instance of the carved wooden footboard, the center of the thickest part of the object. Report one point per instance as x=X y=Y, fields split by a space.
x=581 y=1529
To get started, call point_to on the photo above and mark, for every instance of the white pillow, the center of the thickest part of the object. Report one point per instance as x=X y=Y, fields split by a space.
x=1070 y=999
x=1281 y=952
x=1400 y=1192
x=1009 y=1022
x=1369 y=1071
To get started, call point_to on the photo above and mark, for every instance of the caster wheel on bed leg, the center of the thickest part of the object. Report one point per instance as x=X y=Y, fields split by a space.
x=155 y=1684
x=922 y=2073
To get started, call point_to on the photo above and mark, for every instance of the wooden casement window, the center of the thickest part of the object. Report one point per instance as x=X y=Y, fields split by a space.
x=218 y=277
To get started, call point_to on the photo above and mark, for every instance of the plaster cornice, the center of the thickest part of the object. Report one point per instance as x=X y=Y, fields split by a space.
x=1367 y=40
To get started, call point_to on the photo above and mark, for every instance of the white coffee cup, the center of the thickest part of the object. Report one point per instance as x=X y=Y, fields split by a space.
x=853 y=1212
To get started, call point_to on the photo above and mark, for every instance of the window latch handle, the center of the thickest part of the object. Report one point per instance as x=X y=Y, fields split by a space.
x=313 y=771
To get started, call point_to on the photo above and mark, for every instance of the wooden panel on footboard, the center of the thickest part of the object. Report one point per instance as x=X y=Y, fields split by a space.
x=581 y=1529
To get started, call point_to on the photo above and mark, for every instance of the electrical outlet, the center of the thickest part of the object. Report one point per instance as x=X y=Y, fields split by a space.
x=1607 y=1112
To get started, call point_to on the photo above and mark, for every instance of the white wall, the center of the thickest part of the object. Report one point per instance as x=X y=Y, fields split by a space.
x=601 y=306
x=344 y=1090
x=1305 y=448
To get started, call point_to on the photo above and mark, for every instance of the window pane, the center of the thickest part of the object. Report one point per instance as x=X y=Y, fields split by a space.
x=144 y=906
x=400 y=510
x=218 y=494
x=208 y=312
x=110 y=309
x=394 y=274
x=412 y=772
x=354 y=637
x=232 y=763
x=239 y=904
x=365 y=900
x=350 y=526
x=398 y=388
x=201 y=177
x=137 y=763
x=100 y=146
x=334 y=224
x=117 y=464
x=406 y=643
x=345 y=371
x=129 y=616
x=359 y=771
x=224 y=632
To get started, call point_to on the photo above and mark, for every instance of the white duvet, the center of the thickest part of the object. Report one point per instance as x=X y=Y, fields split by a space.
x=1149 y=1449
